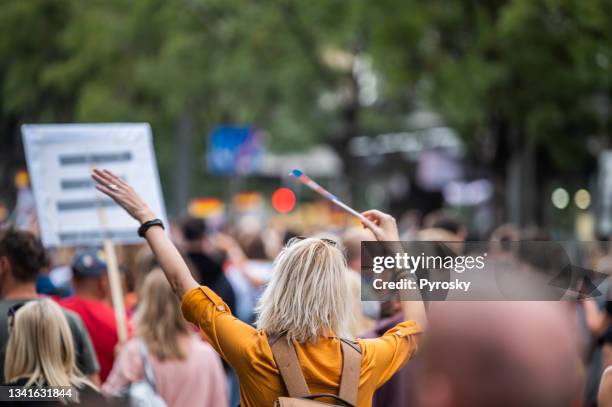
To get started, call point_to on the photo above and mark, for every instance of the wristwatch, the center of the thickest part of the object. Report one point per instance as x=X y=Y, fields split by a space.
x=142 y=230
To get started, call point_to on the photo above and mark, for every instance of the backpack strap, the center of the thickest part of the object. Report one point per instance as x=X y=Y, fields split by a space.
x=351 y=368
x=288 y=364
x=289 y=367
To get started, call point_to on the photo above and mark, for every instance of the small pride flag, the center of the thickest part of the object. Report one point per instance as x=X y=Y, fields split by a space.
x=306 y=180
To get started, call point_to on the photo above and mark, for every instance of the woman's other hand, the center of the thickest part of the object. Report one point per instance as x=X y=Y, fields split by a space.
x=382 y=225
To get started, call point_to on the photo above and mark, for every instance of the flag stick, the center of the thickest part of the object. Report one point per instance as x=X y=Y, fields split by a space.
x=306 y=180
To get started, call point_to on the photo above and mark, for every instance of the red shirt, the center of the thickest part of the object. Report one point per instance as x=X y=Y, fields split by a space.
x=99 y=319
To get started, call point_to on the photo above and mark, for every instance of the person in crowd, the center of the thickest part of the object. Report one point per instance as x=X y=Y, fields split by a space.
x=410 y=224
x=481 y=354
x=604 y=398
x=22 y=256
x=305 y=302
x=209 y=271
x=506 y=234
x=90 y=302
x=443 y=221
x=365 y=313
x=40 y=352
x=249 y=271
x=58 y=281
x=187 y=371
x=143 y=262
x=596 y=316
x=288 y=235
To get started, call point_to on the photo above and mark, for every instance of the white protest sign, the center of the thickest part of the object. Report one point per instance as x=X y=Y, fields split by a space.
x=60 y=158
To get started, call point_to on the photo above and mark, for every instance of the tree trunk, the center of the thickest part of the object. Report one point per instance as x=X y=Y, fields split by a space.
x=349 y=128
x=11 y=159
x=521 y=194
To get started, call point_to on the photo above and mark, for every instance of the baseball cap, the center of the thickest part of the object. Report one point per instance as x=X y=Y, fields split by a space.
x=89 y=263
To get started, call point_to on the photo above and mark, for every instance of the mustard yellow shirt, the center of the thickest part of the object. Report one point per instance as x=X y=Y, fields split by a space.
x=246 y=349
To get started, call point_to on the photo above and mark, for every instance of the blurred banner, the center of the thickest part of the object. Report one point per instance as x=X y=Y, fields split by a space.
x=206 y=207
x=235 y=150
x=25 y=208
x=60 y=158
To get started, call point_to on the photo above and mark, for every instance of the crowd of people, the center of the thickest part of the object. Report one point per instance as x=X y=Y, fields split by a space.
x=213 y=316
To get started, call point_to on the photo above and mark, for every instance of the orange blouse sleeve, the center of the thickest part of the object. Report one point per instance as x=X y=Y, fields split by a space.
x=391 y=351
x=226 y=333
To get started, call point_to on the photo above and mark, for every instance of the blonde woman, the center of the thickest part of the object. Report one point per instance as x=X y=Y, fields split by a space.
x=40 y=351
x=306 y=300
x=186 y=371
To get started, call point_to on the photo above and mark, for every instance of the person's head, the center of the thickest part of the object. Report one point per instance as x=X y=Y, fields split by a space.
x=503 y=237
x=499 y=353
x=22 y=256
x=352 y=245
x=288 y=235
x=89 y=274
x=307 y=296
x=194 y=230
x=158 y=319
x=144 y=262
x=40 y=346
x=451 y=225
x=254 y=248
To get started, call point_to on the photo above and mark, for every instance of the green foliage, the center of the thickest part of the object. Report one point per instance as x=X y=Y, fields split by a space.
x=531 y=67
x=528 y=67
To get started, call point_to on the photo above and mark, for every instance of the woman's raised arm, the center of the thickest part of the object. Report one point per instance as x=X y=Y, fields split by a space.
x=384 y=228
x=167 y=255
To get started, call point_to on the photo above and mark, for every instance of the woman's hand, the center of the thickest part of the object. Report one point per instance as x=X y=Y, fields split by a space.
x=382 y=225
x=125 y=196
x=167 y=255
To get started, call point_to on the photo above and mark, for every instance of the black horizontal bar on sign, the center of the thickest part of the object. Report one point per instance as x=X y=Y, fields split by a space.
x=80 y=183
x=87 y=204
x=95 y=235
x=77 y=183
x=98 y=158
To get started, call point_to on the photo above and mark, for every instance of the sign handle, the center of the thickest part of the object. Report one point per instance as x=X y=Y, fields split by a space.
x=116 y=291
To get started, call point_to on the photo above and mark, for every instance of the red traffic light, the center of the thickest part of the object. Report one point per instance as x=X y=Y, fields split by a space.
x=283 y=200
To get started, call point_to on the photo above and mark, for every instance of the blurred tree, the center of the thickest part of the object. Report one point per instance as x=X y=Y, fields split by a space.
x=525 y=81
x=30 y=42
x=184 y=66
x=518 y=78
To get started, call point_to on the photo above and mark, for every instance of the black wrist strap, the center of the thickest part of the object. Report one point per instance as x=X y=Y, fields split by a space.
x=142 y=230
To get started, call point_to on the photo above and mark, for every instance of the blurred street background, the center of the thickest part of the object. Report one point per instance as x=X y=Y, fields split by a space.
x=497 y=111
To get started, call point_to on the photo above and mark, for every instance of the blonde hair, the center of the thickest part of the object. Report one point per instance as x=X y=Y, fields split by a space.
x=40 y=347
x=307 y=296
x=158 y=318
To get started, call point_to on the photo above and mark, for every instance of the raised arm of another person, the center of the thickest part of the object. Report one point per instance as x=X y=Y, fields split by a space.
x=596 y=319
x=199 y=305
x=167 y=255
x=384 y=229
x=238 y=258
